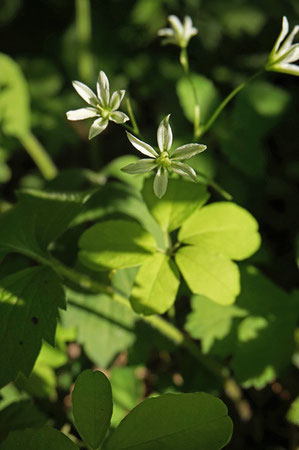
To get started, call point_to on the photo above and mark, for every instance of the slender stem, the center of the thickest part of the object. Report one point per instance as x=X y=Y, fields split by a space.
x=132 y=117
x=39 y=155
x=230 y=96
x=215 y=186
x=184 y=60
x=83 y=28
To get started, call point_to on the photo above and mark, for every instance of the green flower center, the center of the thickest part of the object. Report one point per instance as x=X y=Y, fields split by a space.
x=163 y=160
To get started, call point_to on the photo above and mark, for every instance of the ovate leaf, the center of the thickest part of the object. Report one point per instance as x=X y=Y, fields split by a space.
x=92 y=406
x=104 y=327
x=210 y=274
x=44 y=438
x=180 y=201
x=29 y=302
x=293 y=412
x=156 y=285
x=223 y=227
x=14 y=99
x=115 y=244
x=174 y=421
x=207 y=96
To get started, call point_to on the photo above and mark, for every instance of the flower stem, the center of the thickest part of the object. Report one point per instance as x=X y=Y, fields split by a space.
x=184 y=60
x=39 y=155
x=132 y=117
x=215 y=186
x=83 y=29
x=222 y=105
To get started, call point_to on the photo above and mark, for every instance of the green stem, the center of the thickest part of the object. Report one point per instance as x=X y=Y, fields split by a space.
x=222 y=105
x=39 y=155
x=83 y=29
x=132 y=117
x=215 y=186
x=184 y=60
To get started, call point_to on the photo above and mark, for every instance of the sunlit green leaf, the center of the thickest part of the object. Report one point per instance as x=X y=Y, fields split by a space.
x=210 y=274
x=156 y=285
x=115 y=244
x=223 y=227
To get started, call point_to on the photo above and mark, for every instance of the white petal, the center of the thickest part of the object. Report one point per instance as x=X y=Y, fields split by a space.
x=85 y=93
x=144 y=148
x=288 y=42
x=176 y=25
x=97 y=127
x=291 y=69
x=141 y=166
x=187 y=151
x=82 y=113
x=184 y=170
x=293 y=54
x=103 y=88
x=160 y=182
x=282 y=35
x=118 y=117
x=116 y=99
x=168 y=32
x=164 y=135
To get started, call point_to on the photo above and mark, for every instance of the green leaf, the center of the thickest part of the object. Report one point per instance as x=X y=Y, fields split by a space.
x=209 y=321
x=207 y=94
x=44 y=438
x=174 y=421
x=38 y=219
x=127 y=391
x=210 y=274
x=92 y=406
x=293 y=412
x=115 y=244
x=100 y=315
x=29 y=302
x=156 y=285
x=180 y=201
x=223 y=227
x=14 y=99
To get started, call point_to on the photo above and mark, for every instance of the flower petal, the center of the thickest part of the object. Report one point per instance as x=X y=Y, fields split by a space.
x=291 y=69
x=97 y=127
x=293 y=54
x=118 y=117
x=103 y=88
x=85 y=93
x=164 y=135
x=168 y=32
x=141 y=166
x=116 y=99
x=284 y=31
x=176 y=25
x=82 y=113
x=187 y=151
x=184 y=170
x=160 y=182
x=288 y=42
x=144 y=148
x=189 y=30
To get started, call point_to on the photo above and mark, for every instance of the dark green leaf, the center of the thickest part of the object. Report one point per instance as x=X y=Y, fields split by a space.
x=44 y=438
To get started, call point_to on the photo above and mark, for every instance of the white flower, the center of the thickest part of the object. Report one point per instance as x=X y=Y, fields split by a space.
x=165 y=160
x=180 y=33
x=102 y=106
x=284 y=53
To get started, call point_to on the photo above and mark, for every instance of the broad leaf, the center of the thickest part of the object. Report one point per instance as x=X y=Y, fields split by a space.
x=180 y=201
x=29 y=302
x=209 y=321
x=92 y=406
x=104 y=327
x=207 y=95
x=223 y=227
x=37 y=219
x=174 y=421
x=210 y=274
x=156 y=285
x=115 y=244
x=14 y=99
x=44 y=438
